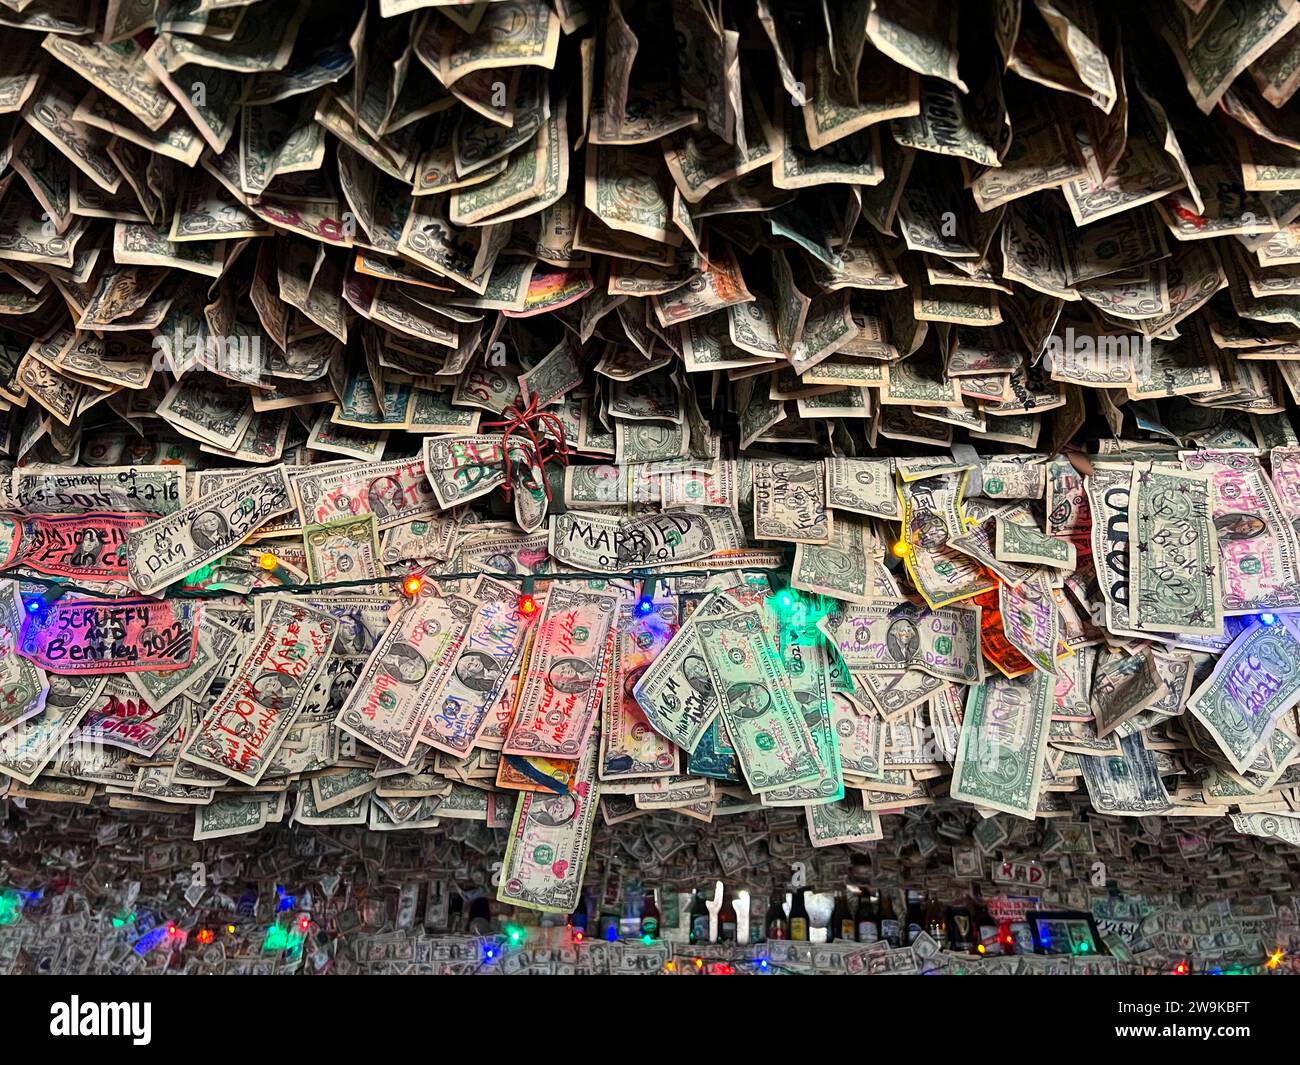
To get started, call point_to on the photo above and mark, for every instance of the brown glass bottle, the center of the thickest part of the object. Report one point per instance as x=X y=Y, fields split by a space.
x=777 y=925
x=890 y=930
x=868 y=919
x=727 y=921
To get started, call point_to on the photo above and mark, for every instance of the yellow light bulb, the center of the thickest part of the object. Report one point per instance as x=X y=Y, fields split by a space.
x=267 y=561
x=901 y=549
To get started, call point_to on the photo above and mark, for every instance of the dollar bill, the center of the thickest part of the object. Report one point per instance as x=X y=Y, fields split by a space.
x=164 y=551
x=1254 y=682
x=464 y=467
x=1173 y=566
x=809 y=672
x=394 y=492
x=1122 y=687
x=565 y=674
x=1017 y=542
x=232 y=815
x=677 y=692
x=757 y=703
x=1031 y=621
x=1000 y=756
x=1108 y=499
x=844 y=820
x=1127 y=784
x=864 y=486
x=346 y=549
x=394 y=693
x=478 y=677
x=597 y=543
x=1259 y=560
x=242 y=731
x=629 y=746
x=25 y=686
x=548 y=842
x=894 y=635
x=94 y=636
x=790 y=502
x=27 y=748
x=841 y=568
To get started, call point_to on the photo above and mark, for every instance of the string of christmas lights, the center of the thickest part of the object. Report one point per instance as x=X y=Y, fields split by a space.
x=411 y=583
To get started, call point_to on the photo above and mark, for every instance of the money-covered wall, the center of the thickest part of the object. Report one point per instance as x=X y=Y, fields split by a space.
x=140 y=896
x=557 y=426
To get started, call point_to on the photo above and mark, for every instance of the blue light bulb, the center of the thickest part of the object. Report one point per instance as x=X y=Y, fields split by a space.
x=644 y=607
x=1268 y=619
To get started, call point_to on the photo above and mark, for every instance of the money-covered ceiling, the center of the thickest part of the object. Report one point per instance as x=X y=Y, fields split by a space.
x=888 y=404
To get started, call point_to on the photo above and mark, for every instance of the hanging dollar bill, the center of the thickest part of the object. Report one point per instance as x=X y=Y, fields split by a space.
x=891 y=635
x=1127 y=784
x=629 y=746
x=1173 y=564
x=1255 y=681
x=600 y=544
x=346 y=549
x=844 y=820
x=1003 y=737
x=809 y=673
x=395 y=692
x=565 y=674
x=550 y=836
x=27 y=749
x=164 y=551
x=23 y=686
x=676 y=692
x=475 y=683
x=83 y=547
x=394 y=492
x=57 y=490
x=112 y=635
x=758 y=705
x=242 y=731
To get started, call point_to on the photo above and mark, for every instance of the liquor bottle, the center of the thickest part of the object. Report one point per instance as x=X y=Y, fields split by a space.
x=777 y=925
x=649 y=916
x=756 y=922
x=699 y=919
x=842 y=920
x=868 y=918
x=935 y=921
x=727 y=921
x=890 y=930
x=798 y=917
x=914 y=923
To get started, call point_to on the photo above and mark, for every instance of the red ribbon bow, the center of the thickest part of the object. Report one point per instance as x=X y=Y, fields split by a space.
x=535 y=423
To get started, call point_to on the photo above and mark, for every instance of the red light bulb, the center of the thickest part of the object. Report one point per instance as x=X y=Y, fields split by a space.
x=527 y=605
